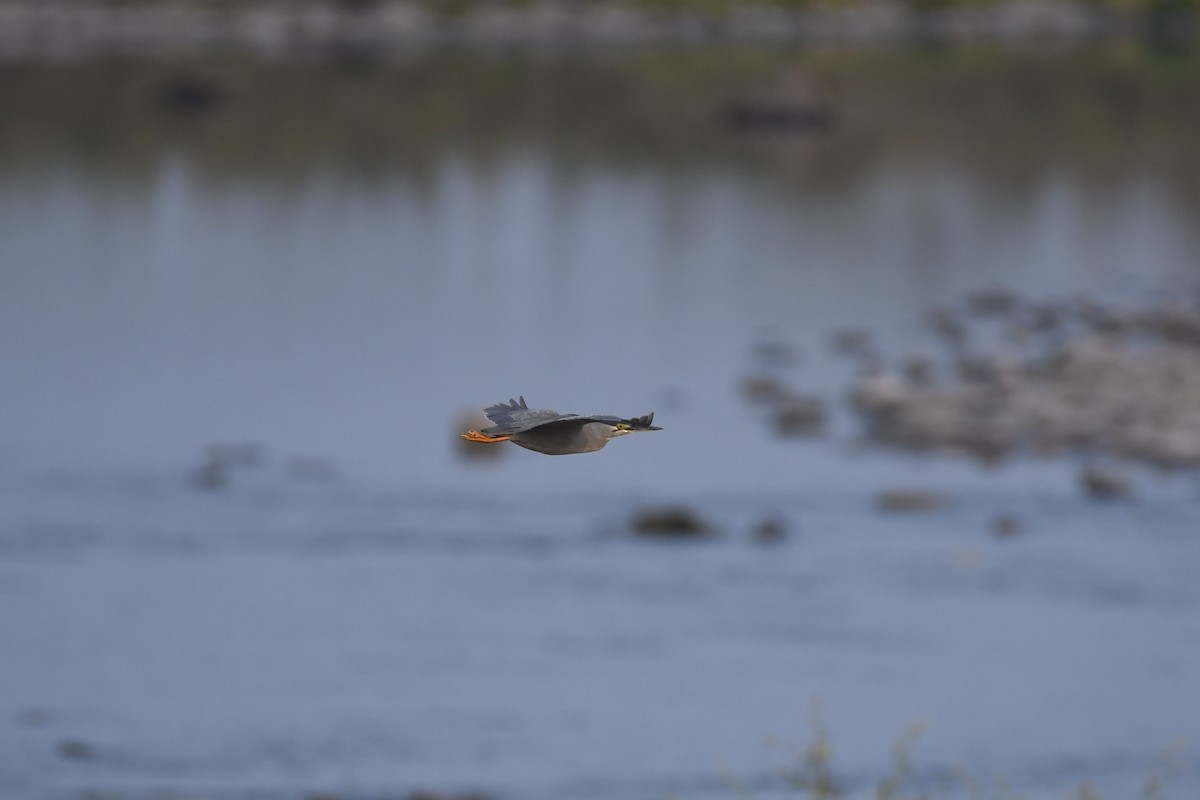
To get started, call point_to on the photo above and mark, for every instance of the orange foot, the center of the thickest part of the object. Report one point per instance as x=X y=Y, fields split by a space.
x=476 y=436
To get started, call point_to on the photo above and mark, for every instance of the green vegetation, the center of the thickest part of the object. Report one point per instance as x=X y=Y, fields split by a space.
x=813 y=776
x=1012 y=114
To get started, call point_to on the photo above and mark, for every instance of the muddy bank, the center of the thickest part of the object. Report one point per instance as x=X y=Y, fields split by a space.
x=50 y=28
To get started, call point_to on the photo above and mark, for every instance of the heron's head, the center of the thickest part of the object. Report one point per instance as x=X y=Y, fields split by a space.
x=635 y=425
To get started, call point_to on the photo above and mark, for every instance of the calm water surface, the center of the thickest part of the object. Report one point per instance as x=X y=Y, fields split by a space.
x=337 y=264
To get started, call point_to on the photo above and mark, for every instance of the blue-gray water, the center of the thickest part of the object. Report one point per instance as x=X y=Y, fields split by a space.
x=363 y=613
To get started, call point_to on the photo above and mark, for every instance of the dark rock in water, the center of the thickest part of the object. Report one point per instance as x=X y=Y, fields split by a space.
x=778 y=115
x=76 y=750
x=909 y=500
x=769 y=530
x=220 y=458
x=975 y=370
x=211 y=475
x=991 y=302
x=1045 y=317
x=918 y=371
x=800 y=415
x=851 y=342
x=763 y=389
x=673 y=522
x=1174 y=324
x=1005 y=525
x=191 y=93
x=1102 y=485
x=946 y=324
x=792 y=103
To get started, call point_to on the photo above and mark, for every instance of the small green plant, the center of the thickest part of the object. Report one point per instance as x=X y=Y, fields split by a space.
x=813 y=777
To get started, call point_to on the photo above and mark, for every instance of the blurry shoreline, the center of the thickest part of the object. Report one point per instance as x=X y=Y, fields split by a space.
x=274 y=28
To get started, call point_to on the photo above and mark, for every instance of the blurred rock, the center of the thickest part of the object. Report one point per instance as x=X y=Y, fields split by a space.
x=852 y=342
x=918 y=371
x=1174 y=323
x=946 y=324
x=791 y=103
x=909 y=500
x=1004 y=526
x=75 y=750
x=211 y=474
x=769 y=530
x=800 y=415
x=992 y=302
x=764 y=389
x=672 y=522
x=220 y=459
x=1101 y=485
x=1044 y=318
x=191 y=93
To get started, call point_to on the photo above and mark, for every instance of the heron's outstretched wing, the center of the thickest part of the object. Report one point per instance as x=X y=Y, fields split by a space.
x=516 y=417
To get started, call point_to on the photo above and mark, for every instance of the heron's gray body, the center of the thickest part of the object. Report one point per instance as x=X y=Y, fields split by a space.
x=549 y=432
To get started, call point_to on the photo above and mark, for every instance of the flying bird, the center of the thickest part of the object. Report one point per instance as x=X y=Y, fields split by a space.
x=552 y=433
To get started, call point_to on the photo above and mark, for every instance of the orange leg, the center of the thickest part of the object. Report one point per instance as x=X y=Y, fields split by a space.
x=476 y=436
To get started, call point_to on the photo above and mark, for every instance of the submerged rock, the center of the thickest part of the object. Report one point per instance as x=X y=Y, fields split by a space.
x=793 y=103
x=800 y=415
x=220 y=459
x=76 y=750
x=992 y=302
x=670 y=522
x=191 y=93
x=769 y=530
x=765 y=389
x=1102 y=485
x=1005 y=526
x=909 y=500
